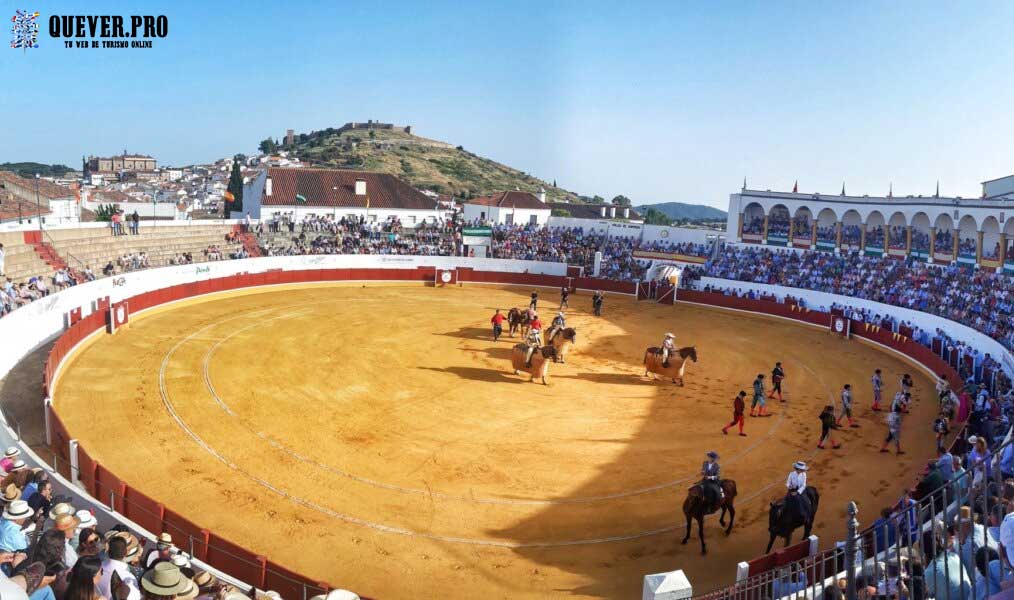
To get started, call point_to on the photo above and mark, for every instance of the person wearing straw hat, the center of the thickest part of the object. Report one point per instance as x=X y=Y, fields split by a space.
x=88 y=523
x=11 y=493
x=116 y=562
x=206 y=583
x=67 y=523
x=796 y=484
x=668 y=347
x=18 y=475
x=7 y=462
x=12 y=539
x=166 y=581
x=337 y=595
x=162 y=551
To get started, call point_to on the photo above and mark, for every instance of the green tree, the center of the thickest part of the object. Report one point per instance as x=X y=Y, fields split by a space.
x=104 y=212
x=621 y=201
x=236 y=189
x=560 y=212
x=598 y=200
x=653 y=216
x=268 y=146
x=240 y=157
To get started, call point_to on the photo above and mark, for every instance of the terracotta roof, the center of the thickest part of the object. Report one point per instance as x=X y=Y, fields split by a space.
x=110 y=196
x=510 y=200
x=337 y=187
x=47 y=189
x=591 y=211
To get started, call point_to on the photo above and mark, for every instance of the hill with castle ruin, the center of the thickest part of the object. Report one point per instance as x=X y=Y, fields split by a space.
x=424 y=163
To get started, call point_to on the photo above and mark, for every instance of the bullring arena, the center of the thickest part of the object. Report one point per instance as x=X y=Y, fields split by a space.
x=373 y=436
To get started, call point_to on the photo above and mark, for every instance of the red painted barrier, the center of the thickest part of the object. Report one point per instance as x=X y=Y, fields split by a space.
x=86 y=470
x=59 y=435
x=143 y=510
x=236 y=561
x=109 y=488
x=792 y=554
x=288 y=584
x=187 y=536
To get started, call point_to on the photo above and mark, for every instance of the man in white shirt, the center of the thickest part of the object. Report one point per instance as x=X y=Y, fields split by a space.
x=117 y=550
x=796 y=484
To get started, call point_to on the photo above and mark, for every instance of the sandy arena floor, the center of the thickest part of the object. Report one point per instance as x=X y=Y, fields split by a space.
x=375 y=438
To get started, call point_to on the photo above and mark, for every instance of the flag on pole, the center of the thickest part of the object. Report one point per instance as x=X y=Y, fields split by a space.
x=301 y=198
x=890 y=190
x=795 y=187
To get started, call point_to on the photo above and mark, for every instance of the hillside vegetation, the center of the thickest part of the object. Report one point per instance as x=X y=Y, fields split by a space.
x=680 y=211
x=29 y=169
x=423 y=163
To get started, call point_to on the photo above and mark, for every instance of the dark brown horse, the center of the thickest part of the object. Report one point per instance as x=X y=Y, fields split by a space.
x=698 y=505
x=517 y=319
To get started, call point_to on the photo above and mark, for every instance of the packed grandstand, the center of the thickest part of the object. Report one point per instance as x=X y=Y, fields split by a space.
x=966 y=552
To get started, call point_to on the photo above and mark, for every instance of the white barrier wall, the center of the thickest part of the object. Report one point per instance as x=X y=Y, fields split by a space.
x=922 y=320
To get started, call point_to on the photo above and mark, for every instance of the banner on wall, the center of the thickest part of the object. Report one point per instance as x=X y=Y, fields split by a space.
x=476 y=236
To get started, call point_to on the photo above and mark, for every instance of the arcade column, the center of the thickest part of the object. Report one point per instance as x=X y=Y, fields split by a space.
x=765 y=239
x=908 y=240
x=978 y=250
x=933 y=243
x=837 y=236
x=740 y=234
x=862 y=238
x=954 y=245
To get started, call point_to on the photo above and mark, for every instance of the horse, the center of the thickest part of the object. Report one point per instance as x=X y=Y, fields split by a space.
x=518 y=319
x=540 y=361
x=697 y=506
x=562 y=340
x=782 y=521
x=653 y=362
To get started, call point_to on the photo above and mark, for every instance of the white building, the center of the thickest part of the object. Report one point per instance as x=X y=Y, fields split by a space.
x=509 y=208
x=336 y=192
x=970 y=231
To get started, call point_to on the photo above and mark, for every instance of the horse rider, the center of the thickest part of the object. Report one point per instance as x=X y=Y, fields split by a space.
x=534 y=340
x=796 y=484
x=668 y=347
x=559 y=322
x=535 y=301
x=709 y=478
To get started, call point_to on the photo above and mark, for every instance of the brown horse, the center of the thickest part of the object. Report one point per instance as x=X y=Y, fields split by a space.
x=562 y=340
x=540 y=361
x=677 y=364
x=517 y=319
x=697 y=506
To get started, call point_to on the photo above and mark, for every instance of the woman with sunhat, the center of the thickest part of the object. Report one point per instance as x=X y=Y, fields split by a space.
x=67 y=523
x=18 y=475
x=7 y=462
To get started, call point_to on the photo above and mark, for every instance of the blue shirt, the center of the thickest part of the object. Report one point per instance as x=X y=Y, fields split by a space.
x=946 y=578
x=30 y=489
x=11 y=537
x=1007 y=460
x=946 y=465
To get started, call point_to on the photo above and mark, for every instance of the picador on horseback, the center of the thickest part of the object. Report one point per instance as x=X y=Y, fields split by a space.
x=710 y=471
x=558 y=324
x=534 y=339
x=668 y=347
x=796 y=484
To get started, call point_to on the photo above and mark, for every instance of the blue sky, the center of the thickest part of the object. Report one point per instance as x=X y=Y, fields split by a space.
x=666 y=101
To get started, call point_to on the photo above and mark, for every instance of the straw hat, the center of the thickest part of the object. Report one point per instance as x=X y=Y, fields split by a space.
x=12 y=452
x=164 y=539
x=190 y=593
x=11 y=493
x=165 y=579
x=87 y=519
x=18 y=509
x=180 y=560
x=62 y=508
x=800 y=466
x=67 y=522
x=133 y=546
x=273 y=595
x=205 y=579
x=341 y=595
x=18 y=465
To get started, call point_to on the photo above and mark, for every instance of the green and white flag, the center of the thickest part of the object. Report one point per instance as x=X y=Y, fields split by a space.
x=300 y=198
x=476 y=236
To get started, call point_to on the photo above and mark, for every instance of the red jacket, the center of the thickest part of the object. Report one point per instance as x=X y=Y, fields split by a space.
x=497 y=319
x=738 y=406
x=536 y=324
